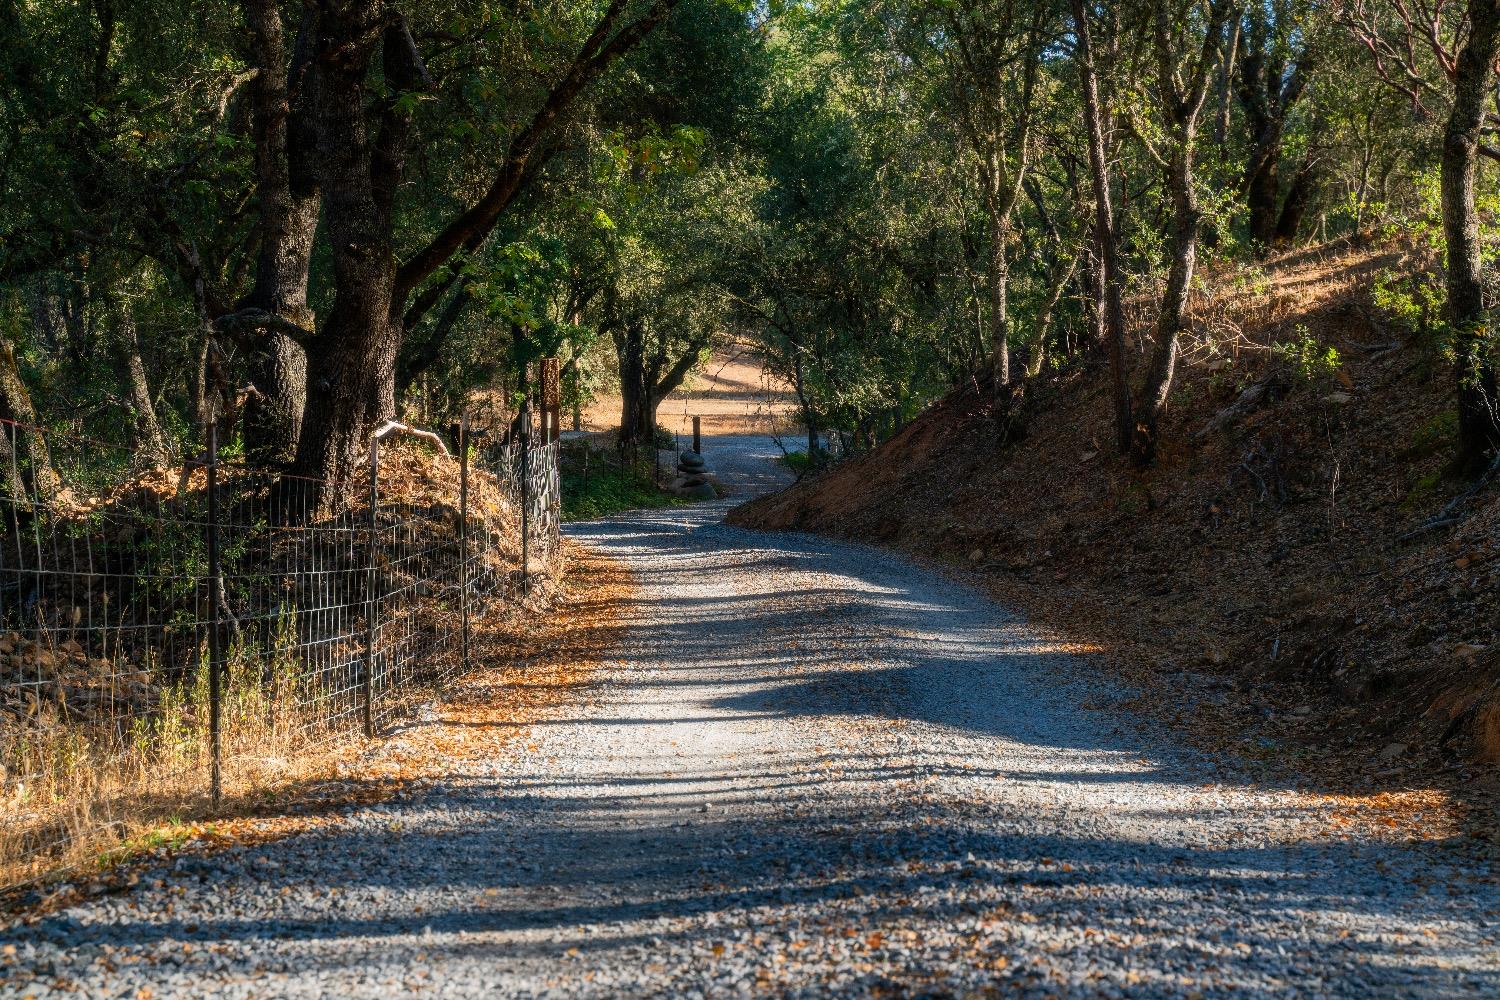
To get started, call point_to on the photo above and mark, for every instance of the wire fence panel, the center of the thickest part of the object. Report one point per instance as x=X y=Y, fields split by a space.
x=171 y=636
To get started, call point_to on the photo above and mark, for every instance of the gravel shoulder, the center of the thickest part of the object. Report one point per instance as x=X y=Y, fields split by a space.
x=812 y=768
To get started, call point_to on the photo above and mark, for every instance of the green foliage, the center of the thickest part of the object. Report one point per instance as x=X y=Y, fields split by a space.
x=799 y=462
x=1435 y=435
x=1252 y=281
x=1309 y=358
x=600 y=487
x=1415 y=302
x=1422 y=490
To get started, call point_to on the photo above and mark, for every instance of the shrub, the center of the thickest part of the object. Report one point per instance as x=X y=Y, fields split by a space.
x=1309 y=358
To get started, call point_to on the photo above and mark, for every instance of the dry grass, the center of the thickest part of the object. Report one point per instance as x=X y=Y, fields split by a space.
x=93 y=788
x=96 y=753
x=533 y=661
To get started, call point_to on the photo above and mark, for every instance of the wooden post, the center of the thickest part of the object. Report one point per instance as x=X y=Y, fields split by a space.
x=463 y=532
x=551 y=377
x=698 y=435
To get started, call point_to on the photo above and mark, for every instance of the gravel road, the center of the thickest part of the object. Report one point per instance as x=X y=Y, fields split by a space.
x=815 y=770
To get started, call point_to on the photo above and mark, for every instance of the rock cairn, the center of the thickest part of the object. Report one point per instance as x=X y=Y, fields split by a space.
x=694 y=481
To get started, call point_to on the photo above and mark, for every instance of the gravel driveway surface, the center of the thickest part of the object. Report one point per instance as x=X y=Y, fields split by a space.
x=815 y=770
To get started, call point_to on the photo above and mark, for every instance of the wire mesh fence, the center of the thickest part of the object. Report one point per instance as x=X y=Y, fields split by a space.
x=168 y=637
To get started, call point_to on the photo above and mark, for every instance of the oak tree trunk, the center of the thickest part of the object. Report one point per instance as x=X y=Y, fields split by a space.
x=1152 y=401
x=287 y=221
x=1478 y=419
x=1294 y=207
x=1269 y=87
x=1109 y=304
x=630 y=350
x=25 y=463
x=352 y=362
x=999 y=279
x=150 y=443
x=1181 y=95
x=1263 y=199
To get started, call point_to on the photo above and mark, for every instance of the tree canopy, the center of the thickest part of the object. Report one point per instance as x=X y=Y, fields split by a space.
x=296 y=221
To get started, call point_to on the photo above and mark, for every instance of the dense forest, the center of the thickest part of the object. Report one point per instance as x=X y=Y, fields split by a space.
x=299 y=220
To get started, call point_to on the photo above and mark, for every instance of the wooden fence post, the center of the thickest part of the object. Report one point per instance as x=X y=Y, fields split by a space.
x=463 y=531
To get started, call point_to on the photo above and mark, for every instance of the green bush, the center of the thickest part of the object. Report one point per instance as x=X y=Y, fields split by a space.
x=1414 y=302
x=798 y=461
x=600 y=489
x=1308 y=357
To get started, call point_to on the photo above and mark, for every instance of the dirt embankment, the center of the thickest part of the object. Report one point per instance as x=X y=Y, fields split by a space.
x=1267 y=583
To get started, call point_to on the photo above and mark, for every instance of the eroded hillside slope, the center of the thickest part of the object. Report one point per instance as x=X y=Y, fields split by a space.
x=1270 y=581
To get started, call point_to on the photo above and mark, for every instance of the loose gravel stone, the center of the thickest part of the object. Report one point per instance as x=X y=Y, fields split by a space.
x=815 y=769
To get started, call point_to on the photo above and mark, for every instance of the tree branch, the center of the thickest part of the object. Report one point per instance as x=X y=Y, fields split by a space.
x=238 y=325
x=599 y=52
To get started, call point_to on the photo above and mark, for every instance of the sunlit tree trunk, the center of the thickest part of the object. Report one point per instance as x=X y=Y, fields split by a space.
x=1183 y=250
x=150 y=442
x=1181 y=89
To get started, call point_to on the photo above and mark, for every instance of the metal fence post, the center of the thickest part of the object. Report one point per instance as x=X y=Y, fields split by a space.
x=215 y=614
x=372 y=601
x=526 y=501
x=463 y=532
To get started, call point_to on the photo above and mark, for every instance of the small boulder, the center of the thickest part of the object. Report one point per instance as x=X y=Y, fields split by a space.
x=1391 y=751
x=703 y=491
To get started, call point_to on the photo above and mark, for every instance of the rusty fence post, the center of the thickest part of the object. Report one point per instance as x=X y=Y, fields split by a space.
x=372 y=600
x=215 y=616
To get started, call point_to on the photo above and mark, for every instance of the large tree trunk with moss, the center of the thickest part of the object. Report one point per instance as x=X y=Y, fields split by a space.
x=287 y=198
x=356 y=135
x=1478 y=417
x=351 y=364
